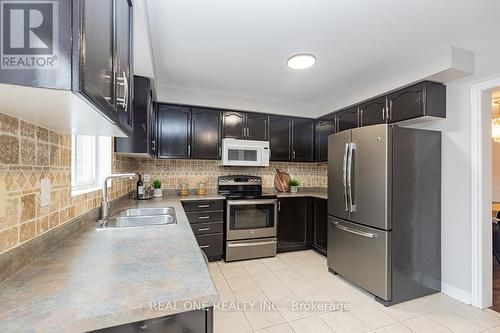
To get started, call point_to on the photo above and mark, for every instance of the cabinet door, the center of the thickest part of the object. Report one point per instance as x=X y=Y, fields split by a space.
x=293 y=224
x=280 y=137
x=96 y=72
x=123 y=58
x=373 y=112
x=174 y=131
x=152 y=129
x=257 y=127
x=303 y=140
x=407 y=103
x=324 y=128
x=320 y=233
x=347 y=119
x=233 y=125
x=205 y=134
x=138 y=142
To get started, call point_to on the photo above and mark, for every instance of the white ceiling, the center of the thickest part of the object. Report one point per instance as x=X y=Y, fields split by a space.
x=233 y=53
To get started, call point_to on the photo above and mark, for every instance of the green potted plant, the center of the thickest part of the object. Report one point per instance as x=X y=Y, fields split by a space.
x=294 y=185
x=157 y=192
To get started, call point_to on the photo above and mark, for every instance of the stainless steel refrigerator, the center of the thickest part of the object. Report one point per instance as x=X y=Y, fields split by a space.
x=384 y=210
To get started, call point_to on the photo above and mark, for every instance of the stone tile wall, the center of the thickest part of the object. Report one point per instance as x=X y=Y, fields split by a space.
x=173 y=172
x=29 y=153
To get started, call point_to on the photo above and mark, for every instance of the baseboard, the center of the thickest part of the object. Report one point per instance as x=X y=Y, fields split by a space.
x=456 y=293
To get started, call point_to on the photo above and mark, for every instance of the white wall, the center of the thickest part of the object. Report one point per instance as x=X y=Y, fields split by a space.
x=456 y=174
x=496 y=171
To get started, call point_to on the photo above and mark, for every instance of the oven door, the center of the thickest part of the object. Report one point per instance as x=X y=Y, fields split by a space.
x=255 y=218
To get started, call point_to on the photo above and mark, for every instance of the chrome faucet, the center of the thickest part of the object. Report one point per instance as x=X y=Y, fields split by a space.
x=105 y=202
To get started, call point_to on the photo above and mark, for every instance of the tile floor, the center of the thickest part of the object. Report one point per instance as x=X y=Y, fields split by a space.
x=302 y=278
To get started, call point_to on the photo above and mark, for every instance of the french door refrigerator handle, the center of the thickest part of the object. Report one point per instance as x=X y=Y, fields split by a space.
x=353 y=231
x=352 y=206
x=344 y=176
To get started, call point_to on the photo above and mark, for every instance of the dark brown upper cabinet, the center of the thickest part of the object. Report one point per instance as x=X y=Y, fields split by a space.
x=324 y=128
x=233 y=124
x=280 y=138
x=347 y=119
x=174 y=131
x=373 y=112
x=303 y=140
x=91 y=61
x=422 y=99
x=242 y=125
x=123 y=64
x=143 y=141
x=257 y=127
x=205 y=135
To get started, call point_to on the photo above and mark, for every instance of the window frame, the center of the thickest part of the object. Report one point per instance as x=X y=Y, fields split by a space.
x=102 y=155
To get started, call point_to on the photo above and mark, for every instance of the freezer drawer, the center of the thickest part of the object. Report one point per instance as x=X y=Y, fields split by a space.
x=361 y=255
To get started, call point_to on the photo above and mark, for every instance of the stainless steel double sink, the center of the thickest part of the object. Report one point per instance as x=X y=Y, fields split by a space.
x=140 y=217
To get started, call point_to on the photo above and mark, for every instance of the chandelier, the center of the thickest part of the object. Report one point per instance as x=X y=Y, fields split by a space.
x=495 y=121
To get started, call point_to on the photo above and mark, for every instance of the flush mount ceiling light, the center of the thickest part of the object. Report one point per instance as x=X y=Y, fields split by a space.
x=301 y=61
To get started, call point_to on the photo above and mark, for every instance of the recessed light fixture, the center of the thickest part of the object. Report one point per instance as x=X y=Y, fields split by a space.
x=301 y=61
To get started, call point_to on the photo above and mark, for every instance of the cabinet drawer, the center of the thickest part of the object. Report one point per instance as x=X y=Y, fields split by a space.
x=199 y=217
x=207 y=228
x=203 y=205
x=211 y=244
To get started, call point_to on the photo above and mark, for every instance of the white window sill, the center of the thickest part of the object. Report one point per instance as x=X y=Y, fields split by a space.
x=80 y=191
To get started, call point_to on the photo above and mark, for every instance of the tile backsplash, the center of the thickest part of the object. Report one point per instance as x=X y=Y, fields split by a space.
x=173 y=172
x=28 y=154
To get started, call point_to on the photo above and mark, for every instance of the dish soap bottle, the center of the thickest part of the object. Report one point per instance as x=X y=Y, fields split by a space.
x=139 y=188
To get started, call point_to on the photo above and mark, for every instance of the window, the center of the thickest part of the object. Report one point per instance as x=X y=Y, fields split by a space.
x=90 y=162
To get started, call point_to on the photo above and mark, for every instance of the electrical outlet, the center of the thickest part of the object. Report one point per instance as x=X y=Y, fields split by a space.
x=45 y=192
x=146 y=177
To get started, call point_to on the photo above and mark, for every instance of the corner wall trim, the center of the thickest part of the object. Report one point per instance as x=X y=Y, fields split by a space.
x=456 y=293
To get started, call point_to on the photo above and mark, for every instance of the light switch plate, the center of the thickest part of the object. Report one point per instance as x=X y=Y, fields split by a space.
x=45 y=192
x=3 y=199
x=146 y=177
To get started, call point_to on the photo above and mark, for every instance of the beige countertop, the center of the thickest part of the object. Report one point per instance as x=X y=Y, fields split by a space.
x=314 y=192
x=104 y=278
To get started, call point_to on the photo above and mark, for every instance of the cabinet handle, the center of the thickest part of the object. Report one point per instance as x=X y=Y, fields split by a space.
x=204 y=246
x=153 y=145
x=203 y=206
x=203 y=217
x=390 y=109
x=189 y=150
x=248 y=132
x=279 y=206
x=203 y=229
x=293 y=155
x=220 y=151
x=383 y=114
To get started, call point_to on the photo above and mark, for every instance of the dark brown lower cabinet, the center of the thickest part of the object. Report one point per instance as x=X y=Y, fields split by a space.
x=294 y=224
x=319 y=239
x=198 y=321
x=207 y=221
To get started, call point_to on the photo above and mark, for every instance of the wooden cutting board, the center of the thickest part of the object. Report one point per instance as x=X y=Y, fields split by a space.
x=281 y=181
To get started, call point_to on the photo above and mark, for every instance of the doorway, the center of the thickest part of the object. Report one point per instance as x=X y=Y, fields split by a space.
x=495 y=167
x=482 y=265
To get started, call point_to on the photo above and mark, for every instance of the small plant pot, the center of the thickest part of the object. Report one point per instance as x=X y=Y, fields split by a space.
x=294 y=189
x=157 y=192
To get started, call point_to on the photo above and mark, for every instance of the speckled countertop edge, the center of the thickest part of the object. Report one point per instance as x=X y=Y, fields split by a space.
x=99 y=279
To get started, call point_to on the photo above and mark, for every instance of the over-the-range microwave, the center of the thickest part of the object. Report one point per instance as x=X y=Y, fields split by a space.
x=245 y=153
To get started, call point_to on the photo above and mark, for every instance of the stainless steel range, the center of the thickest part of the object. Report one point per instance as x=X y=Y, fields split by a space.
x=251 y=218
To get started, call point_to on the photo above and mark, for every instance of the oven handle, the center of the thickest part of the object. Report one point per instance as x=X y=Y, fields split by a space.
x=252 y=202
